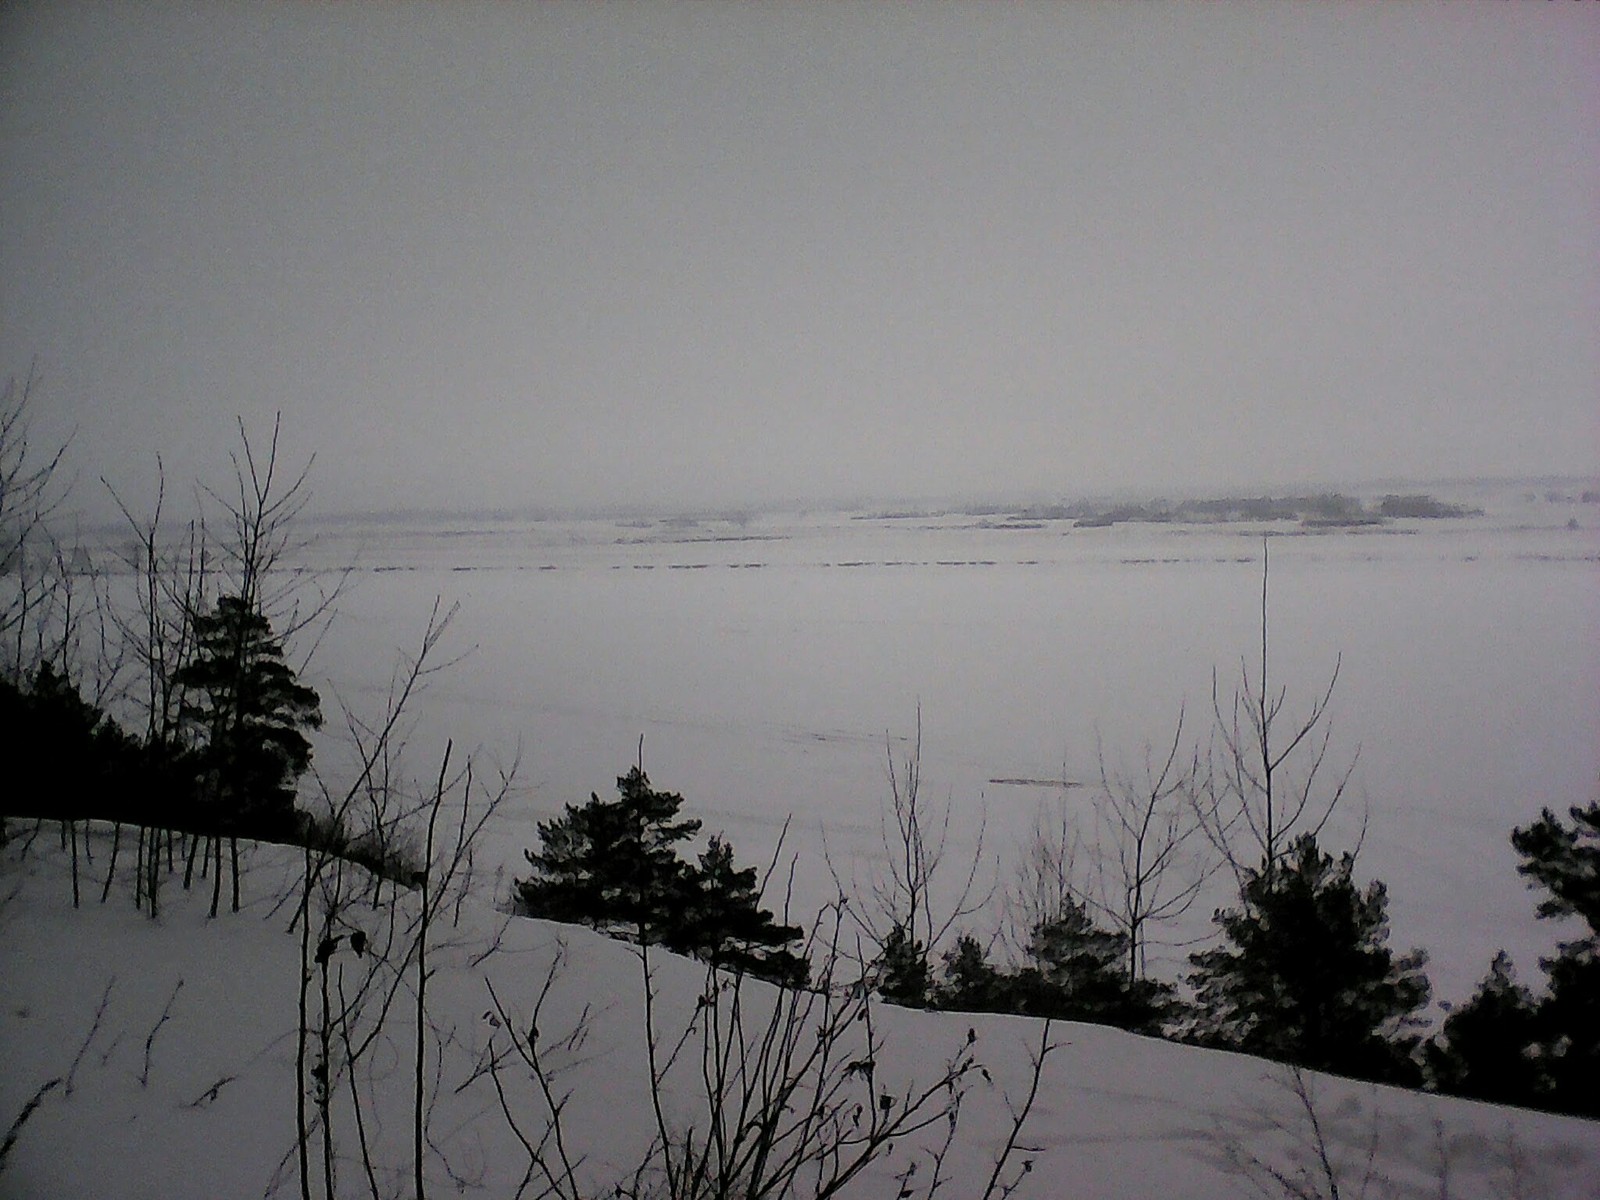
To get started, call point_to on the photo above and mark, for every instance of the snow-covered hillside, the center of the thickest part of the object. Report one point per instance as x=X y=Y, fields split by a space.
x=203 y=1103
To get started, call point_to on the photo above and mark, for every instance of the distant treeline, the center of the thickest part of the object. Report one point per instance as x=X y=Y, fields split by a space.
x=1326 y=509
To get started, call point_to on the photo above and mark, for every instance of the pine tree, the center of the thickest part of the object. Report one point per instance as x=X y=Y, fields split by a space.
x=719 y=918
x=1507 y=1046
x=904 y=977
x=1565 y=860
x=1075 y=972
x=615 y=864
x=971 y=983
x=244 y=704
x=79 y=762
x=1070 y=953
x=1569 y=1029
x=1079 y=972
x=1489 y=1046
x=1307 y=977
x=612 y=862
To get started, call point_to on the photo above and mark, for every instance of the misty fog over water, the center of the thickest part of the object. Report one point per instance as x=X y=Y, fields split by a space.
x=767 y=658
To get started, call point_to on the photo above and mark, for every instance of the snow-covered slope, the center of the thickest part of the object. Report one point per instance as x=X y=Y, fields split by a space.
x=203 y=1104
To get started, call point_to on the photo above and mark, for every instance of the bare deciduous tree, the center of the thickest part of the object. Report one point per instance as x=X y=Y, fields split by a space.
x=54 y=609
x=158 y=636
x=1151 y=857
x=262 y=520
x=1311 y=1153
x=30 y=491
x=362 y=952
x=903 y=899
x=1304 y=1145
x=170 y=577
x=1267 y=783
x=1136 y=855
x=263 y=515
x=1048 y=881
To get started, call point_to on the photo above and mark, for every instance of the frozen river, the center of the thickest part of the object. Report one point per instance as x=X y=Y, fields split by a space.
x=767 y=659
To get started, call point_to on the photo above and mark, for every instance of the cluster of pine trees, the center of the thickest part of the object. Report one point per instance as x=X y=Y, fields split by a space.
x=1071 y=971
x=228 y=767
x=195 y=721
x=1302 y=973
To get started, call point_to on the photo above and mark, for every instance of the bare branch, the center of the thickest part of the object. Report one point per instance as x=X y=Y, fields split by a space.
x=1247 y=808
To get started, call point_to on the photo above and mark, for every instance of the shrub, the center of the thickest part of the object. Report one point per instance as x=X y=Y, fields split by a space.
x=1075 y=972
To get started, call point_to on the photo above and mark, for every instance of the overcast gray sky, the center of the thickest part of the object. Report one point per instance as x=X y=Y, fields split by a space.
x=711 y=254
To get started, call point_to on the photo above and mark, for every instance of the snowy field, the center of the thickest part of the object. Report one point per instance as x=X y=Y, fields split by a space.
x=201 y=1104
x=766 y=659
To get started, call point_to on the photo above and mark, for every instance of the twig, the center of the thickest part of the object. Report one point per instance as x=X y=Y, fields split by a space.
x=209 y=1096
x=1019 y=1118
x=23 y=1117
x=99 y=1015
x=418 y=1114
x=149 y=1042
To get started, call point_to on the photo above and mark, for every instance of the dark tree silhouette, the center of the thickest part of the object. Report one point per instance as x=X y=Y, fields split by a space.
x=1508 y=1046
x=971 y=982
x=1569 y=1028
x=69 y=759
x=1564 y=859
x=1079 y=972
x=1075 y=972
x=611 y=862
x=1306 y=976
x=721 y=920
x=247 y=710
x=615 y=863
x=62 y=745
x=1489 y=1048
x=904 y=977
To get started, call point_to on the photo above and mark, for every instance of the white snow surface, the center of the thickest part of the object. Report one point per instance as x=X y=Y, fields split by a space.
x=1118 y=1116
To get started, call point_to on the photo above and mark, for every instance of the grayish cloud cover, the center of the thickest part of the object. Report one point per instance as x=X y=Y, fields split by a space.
x=713 y=254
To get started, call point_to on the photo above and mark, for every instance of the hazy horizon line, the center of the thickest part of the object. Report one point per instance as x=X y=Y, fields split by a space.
x=930 y=502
